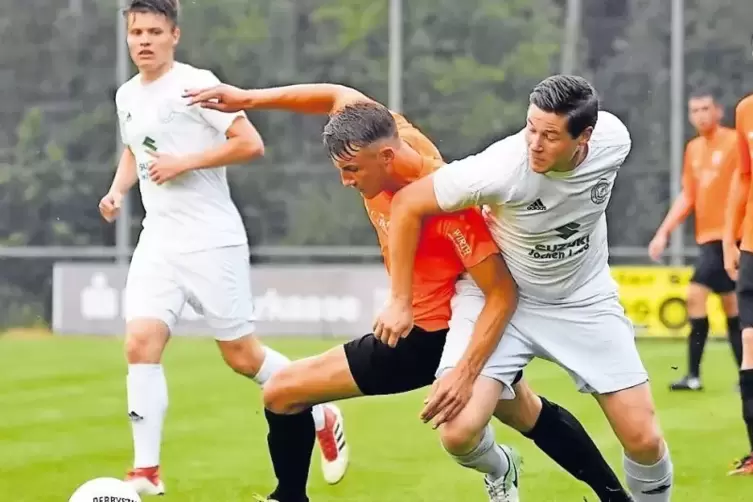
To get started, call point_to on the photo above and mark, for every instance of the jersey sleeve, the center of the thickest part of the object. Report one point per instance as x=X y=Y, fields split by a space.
x=485 y=178
x=470 y=236
x=742 y=139
x=122 y=116
x=220 y=121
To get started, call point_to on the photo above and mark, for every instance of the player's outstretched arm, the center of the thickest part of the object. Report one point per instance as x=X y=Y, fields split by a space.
x=321 y=98
x=243 y=144
x=451 y=393
x=680 y=210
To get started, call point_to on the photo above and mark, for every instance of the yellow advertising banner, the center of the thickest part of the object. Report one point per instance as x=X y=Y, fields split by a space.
x=654 y=299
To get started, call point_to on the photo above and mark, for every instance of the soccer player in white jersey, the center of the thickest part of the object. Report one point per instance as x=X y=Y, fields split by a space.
x=546 y=189
x=193 y=248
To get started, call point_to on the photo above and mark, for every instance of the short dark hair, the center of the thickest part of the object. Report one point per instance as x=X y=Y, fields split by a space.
x=356 y=126
x=702 y=93
x=167 y=8
x=571 y=96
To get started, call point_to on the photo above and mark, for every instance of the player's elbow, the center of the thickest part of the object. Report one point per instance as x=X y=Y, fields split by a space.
x=250 y=147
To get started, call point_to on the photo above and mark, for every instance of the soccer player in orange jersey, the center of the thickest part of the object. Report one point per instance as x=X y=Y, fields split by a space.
x=378 y=152
x=739 y=264
x=710 y=162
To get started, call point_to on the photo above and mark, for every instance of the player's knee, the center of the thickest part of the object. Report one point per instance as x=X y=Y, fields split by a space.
x=644 y=442
x=459 y=436
x=244 y=355
x=279 y=394
x=143 y=348
x=697 y=299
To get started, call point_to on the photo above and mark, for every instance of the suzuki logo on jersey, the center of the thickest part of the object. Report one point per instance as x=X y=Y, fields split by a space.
x=149 y=143
x=561 y=250
x=568 y=230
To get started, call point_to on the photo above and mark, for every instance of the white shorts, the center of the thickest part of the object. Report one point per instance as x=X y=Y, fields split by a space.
x=216 y=283
x=595 y=344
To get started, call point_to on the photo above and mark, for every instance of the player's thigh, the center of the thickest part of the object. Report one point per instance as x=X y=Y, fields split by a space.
x=509 y=357
x=709 y=270
x=632 y=415
x=379 y=369
x=154 y=300
x=595 y=344
x=219 y=286
x=310 y=381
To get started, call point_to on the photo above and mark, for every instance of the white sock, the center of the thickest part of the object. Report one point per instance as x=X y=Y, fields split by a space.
x=487 y=457
x=147 y=404
x=649 y=483
x=273 y=362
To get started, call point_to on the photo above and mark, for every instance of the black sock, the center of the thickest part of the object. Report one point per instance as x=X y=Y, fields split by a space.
x=746 y=392
x=699 y=332
x=559 y=434
x=735 y=336
x=291 y=441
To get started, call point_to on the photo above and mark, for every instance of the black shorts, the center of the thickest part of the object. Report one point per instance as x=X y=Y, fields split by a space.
x=380 y=370
x=412 y=364
x=709 y=269
x=745 y=289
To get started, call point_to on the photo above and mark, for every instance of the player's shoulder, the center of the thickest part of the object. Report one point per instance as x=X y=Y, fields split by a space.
x=416 y=139
x=127 y=90
x=727 y=132
x=745 y=104
x=610 y=131
x=194 y=75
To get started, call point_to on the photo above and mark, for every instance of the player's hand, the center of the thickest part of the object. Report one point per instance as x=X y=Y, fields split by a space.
x=448 y=396
x=394 y=322
x=222 y=97
x=657 y=246
x=109 y=206
x=165 y=167
x=731 y=260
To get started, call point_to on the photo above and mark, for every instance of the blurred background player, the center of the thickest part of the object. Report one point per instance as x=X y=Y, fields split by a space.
x=739 y=264
x=710 y=161
x=193 y=248
x=378 y=152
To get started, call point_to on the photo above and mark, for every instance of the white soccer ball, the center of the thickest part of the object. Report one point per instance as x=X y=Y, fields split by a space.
x=105 y=490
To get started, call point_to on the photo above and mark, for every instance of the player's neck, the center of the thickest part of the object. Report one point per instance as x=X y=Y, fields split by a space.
x=709 y=133
x=577 y=159
x=410 y=165
x=153 y=74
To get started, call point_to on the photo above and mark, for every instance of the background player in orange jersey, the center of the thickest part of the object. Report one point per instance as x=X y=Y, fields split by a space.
x=710 y=162
x=378 y=152
x=739 y=264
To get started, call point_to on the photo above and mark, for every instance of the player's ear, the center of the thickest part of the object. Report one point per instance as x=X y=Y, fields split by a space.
x=387 y=153
x=176 y=35
x=585 y=135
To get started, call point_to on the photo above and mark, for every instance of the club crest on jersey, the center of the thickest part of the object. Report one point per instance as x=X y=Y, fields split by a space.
x=600 y=191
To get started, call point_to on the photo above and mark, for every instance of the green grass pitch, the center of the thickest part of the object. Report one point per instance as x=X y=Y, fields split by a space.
x=63 y=421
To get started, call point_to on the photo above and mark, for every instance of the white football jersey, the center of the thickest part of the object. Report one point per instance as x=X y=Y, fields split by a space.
x=552 y=227
x=194 y=211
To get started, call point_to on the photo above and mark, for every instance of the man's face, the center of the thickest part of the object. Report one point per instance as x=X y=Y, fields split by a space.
x=152 y=39
x=704 y=113
x=367 y=170
x=550 y=145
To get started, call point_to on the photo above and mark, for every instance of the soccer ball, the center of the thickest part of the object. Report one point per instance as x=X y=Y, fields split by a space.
x=105 y=490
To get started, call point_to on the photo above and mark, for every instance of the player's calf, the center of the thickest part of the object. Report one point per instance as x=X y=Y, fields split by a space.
x=647 y=462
